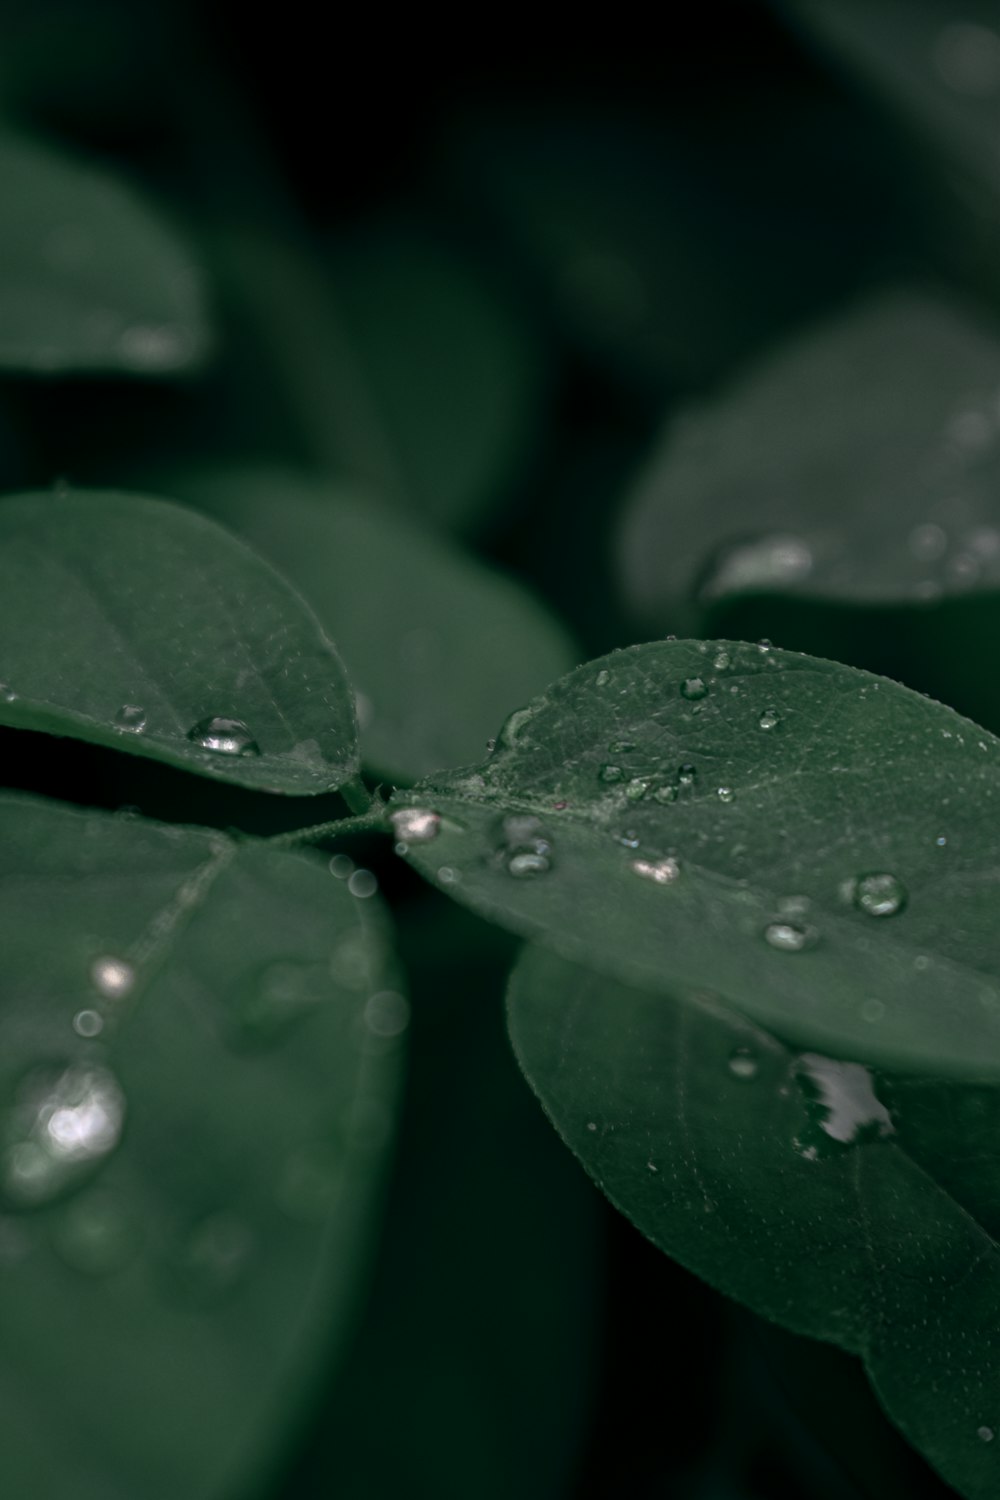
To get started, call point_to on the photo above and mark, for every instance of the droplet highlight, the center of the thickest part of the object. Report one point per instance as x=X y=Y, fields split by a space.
x=130 y=719
x=223 y=736
x=61 y=1125
x=879 y=895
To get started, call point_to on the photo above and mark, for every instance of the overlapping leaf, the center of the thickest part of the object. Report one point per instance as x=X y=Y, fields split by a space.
x=846 y=1207
x=198 y=1078
x=135 y=623
x=815 y=844
x=90 y=278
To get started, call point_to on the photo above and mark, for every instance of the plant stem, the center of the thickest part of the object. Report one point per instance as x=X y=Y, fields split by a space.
x=376 y=820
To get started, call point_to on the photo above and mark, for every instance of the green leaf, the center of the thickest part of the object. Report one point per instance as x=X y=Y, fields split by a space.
x=814 y=843
x=858 y=465
x=196 y=1107
x=443 y=382
x=439 y=647
x=858 y=1210
x=135 y=623
x=90 y=278
x=937 y=65
x=478 y=1351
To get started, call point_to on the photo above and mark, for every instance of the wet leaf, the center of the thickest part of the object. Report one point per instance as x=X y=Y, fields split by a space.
x=90 y=278
x=135 y=623
x=812 y=842
x=840 y=1205
x=194 y=1122
x=858 y=465
x=439 y=647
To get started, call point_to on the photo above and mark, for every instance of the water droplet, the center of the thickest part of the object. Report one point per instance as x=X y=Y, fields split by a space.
x=416 y=825
x=603 y=677
x=387 y=1013
x=130 y=718
x=112 y=977
x=722 y=661
x=621 y=747
x=760 y=564
x=880 y=895
x=95 y=1235
x=686 y=775
x=524 y=865
x=448 y=875
x=667 y=793
x=693 y=688
x=212 y=1258
x=941 y=841
x=610 y=773
x=341 y=866
x=630 y=839
x=636 y=789
x=60 y=1126
x=743 y=1064
x=985 y=1434
x=790 y=937
x=769 y=719
x=362 y=883
x=844 y=1098
x=88 y=1023
x=224 y=736
x=661 y=871
x=726 y=794
x=7 y=694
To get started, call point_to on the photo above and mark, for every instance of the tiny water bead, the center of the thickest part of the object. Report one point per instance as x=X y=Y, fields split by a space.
x=131 y=719
x=722 y=661
x=223 y=736
x=60 y=1126
x=686 y=775
x=526 y=850
x=661 y=871
x=603 y=677
x=726 y=794
x=341 y=866
x=985 y=1434
x=694 y=688
x=769 y=719
x=7 y=693
x=415 y=825
x=88 y=1023
x=743 y=1064
x=362 y=883
x=112 y=977
x=636 y=789
x=790 y=937
x=448 y=875
x=880 y=894
x=610 y=773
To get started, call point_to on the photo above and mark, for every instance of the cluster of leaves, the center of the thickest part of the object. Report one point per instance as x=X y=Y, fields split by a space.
x=293 y=514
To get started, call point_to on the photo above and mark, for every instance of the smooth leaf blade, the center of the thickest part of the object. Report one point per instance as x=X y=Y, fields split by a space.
x=194 y=1124
x=135 y=623
x=438 y=646
x=90 y=279
x=813 y=843
x=858 y=465
x=823 y=1206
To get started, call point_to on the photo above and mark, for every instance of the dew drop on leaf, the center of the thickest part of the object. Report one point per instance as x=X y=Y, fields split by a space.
x=130 y=718
x=726 y=794
x=743 y=1064
x=790 y=937
x=841 y=1097
x=88 y=1023
x=362 y=883
x=416 y=825
x=112 y=977
x=7 y=694
x=603 y=677
x=223 y=736
x=661 y=871
x=879 y=895
x=610 y=773
x=985 y=1434
x=61 y=1124
x=769 y=719
x=693 y=688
